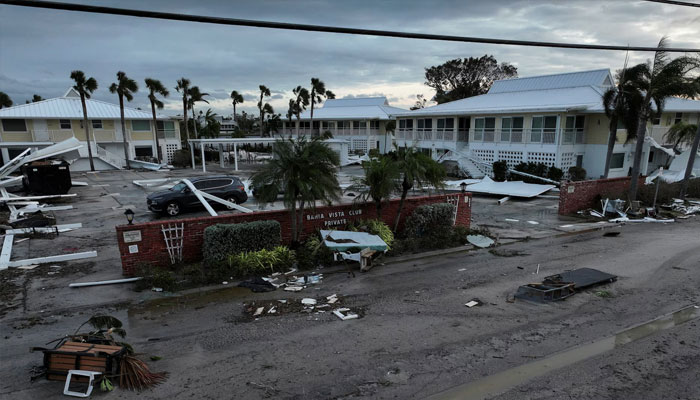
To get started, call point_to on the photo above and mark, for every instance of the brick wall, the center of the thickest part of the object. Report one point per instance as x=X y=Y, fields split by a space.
x=144 y=243
x=575 y=196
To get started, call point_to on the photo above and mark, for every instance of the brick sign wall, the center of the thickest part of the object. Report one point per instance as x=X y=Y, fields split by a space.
x=144 y=243
x=575 y=196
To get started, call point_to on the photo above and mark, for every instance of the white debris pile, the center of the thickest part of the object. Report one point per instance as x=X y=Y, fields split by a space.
x=679 y=206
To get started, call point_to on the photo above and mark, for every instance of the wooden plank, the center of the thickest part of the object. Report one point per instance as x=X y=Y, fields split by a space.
x=6 y=251
x=58 y=258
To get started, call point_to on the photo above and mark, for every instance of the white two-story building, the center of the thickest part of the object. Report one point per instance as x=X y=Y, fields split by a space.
x=558 y=120
x=50 y=121
x=361 y=122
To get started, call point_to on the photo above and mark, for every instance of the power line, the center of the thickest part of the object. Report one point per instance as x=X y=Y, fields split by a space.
x=675 y=3
x=321 y=28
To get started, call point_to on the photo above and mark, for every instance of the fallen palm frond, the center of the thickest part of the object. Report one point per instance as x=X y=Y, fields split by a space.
x=134 y=374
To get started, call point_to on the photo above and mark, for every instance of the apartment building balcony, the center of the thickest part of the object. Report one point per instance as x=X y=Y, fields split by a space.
x=529 y=136
x=98 y=135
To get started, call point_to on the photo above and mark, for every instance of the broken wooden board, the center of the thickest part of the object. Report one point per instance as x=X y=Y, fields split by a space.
x=6 y=251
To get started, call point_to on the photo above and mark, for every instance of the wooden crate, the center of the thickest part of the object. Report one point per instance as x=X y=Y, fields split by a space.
x=83 y=356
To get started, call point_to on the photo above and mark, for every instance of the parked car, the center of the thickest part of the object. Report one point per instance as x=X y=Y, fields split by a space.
x=180 y=198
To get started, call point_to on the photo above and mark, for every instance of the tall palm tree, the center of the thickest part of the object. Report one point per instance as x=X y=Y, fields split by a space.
x=272 y=122
x=264 y=92
x=622 y=103
x=267 y=111
x=195 y=95
x=379 y=182
x=301 y=101
x=291 y=111
x=212 y=127
x=156 y=87
x=85 y=87
x=5 y=100
x=183 y=86
x=417 y=169
x=318 y=93
x=305 y=170
x=683 y=133
x=236 y=98
x=661 y=79
x=125 y=87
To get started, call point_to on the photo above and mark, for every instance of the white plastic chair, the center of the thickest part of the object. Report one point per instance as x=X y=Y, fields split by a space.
x=89 y=374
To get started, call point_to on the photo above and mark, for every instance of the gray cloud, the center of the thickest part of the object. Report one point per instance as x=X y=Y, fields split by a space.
x=39 y=48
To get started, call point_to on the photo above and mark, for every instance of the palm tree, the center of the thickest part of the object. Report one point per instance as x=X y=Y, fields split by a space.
x=267 y=110
x=417 y=169
x=683 y=133
x=195 y=95
x=622 y=104
x=305 y=171
x=5 y=100
x=85 y=87
x=301 y=101
x=272 y=122
x=124 y=88
x=318 y=92
x=291 y=111
x=390 y=127
x=236 y=98
x=264 y=91
x=379 y=182
x=155 y=87
x=212 y=127
x=183 y=86
x=660 y=79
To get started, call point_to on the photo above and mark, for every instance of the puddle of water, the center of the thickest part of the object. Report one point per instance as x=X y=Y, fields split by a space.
x=503 y=381
x=189 y=301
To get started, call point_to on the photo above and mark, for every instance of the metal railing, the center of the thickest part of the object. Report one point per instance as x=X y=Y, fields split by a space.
x=110 y=157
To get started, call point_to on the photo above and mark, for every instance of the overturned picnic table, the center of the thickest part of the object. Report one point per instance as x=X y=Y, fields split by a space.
x=343 y=241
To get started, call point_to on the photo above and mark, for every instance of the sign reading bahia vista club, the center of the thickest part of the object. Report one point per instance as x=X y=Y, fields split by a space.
x=334 y=217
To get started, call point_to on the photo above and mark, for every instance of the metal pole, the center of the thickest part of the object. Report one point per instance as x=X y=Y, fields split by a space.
x=221 y=155
x=204 y=162
x=658 y=183
x=192 y=153
x=235 y=155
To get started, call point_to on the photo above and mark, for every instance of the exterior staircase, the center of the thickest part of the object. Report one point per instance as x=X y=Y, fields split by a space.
x=469 y=165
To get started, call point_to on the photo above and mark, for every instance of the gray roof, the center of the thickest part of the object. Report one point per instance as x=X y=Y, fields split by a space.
x=356 y=102
x=69 y=107
x=354 y=109
x=597 y=78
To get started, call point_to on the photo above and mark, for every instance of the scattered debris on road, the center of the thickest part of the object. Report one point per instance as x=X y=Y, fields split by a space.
x=480 y=241
x=563 y=285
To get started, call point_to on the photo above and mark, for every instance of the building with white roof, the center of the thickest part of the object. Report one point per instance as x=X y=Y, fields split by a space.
x=360 y=121
x=49 y=121
x=556 y=119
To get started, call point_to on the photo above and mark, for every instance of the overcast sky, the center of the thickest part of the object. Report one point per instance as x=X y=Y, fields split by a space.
x=39 y=48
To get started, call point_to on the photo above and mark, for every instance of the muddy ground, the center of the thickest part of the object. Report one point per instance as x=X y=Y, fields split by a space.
x=416 y=338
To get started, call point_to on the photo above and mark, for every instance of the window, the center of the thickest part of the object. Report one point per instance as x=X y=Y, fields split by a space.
x=139 y=125
x=343 y=124
x=166 y=125
x=64 y=124
x=651 y=156
x=328 y=125
x=373 y=124
x=144 y=151
x=14 y=125
x=678 y=118
x=316 y=124
x=656 y=120
x=446 y=124
x=464 y=123
x=359 y=125
x=617 y=161
x=97 y=124
x=425 y=124
x=544 y=129
x=484 y=128
x=406 y=124
x=574 y=129
x=512 y=129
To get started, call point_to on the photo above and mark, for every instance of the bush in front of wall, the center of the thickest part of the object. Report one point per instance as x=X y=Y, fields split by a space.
x=555 y=174
x=373 y=227
x=500 y=171
x=261 y=262
x=183 y=159
x=223 y=240
x=429 y=219
x=313 y=253
x=577 y=174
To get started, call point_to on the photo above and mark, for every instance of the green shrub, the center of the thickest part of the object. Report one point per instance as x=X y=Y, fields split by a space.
x=460 y=234
x=312 y=253
x=373 y=227
x=261 y=262
x=429 y=219
x=555 y=174
x=156 y=277
x=577 y=173
x=537 y=169
x=500 y=171
x=223 y=240
x=183 y=159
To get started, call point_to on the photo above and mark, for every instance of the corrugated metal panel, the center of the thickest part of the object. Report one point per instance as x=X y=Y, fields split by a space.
x=71 y=108
x=359 y=102
x=557 y=81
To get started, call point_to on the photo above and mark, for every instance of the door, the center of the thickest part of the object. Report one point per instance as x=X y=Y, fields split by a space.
x=579 y=160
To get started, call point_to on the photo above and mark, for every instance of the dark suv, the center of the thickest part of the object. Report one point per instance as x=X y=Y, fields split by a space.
x=180 y=198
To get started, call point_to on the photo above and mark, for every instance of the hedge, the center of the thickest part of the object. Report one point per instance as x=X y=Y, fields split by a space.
x=428 y=219
x=223 y=240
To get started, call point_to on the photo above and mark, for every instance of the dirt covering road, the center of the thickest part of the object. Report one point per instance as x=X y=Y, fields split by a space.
x=415 y=337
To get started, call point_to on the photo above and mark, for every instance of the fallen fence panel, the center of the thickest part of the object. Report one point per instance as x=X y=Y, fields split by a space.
x=58 y=258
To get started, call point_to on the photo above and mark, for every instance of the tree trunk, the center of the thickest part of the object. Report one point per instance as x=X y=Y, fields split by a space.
x=87 y=132
x=639 y=146
x=404 y=193
x=300 y=225
x=234 y=112
x=298 y=124
x=294 y=221
x=126 y=143
x=194 y=122
x=379 y=209
x=311 y=118
x=611 y=146
x=159 y=154
x=184 y=107
x=691 y=161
